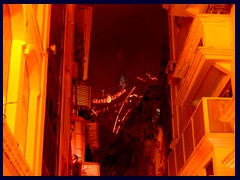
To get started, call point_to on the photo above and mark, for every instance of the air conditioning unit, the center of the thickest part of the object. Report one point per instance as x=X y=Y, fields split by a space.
x=83 y=93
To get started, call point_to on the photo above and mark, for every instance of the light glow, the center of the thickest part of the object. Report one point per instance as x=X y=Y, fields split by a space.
x=109 y=98
x=118 y=129
x=150 y=77
x=122 y=107
x=126 y=114
x=94 y=112
x=141 y=79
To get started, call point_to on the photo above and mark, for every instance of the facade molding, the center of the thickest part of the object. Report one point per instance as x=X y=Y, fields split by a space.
x=185 y=10
x=229 y=161
x=13 y=152
x=34 y=36
x=34 y=67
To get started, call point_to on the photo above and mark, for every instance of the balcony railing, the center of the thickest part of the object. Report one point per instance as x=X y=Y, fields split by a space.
x=92 y=131
x=203 y=128
x=90 y=169
x=78 y=138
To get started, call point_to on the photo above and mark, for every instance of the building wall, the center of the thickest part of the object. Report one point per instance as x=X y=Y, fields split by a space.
x=53 y=96
x=84 y=135
x=232 y=18
x=25 y=63
x=204 y=72
x=66 y=96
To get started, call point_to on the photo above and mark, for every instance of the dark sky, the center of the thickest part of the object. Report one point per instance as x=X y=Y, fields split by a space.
x=125 y=39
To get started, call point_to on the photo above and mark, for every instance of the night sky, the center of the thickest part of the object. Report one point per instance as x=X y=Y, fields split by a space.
x=125 y=39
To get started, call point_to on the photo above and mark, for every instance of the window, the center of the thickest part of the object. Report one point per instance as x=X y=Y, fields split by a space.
x=209 y=168
x=227 y=91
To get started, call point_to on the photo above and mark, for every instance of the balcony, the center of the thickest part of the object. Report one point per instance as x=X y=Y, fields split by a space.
x=204 y=131
x=205 y=31
x=207 y=75
x=90 y=169
x=92 y=132
x=78 y=138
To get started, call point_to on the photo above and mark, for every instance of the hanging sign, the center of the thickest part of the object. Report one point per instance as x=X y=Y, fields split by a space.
x=109 y=98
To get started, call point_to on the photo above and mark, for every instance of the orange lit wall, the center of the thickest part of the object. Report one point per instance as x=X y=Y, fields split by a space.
x=202 y=46
x=25 y=63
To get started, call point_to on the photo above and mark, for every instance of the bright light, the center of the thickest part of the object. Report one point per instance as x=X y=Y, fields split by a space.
x=109 y=98
x=141 y=79
x=122 y=107
x=118 y=129
x=150 y=77
x=94 y=112
x=126 y=115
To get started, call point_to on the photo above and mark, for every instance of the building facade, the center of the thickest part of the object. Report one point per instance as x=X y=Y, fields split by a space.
x=25 y=60
x=39 y=58
x=85 y=134
x=201 y=76
x=47 y=127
